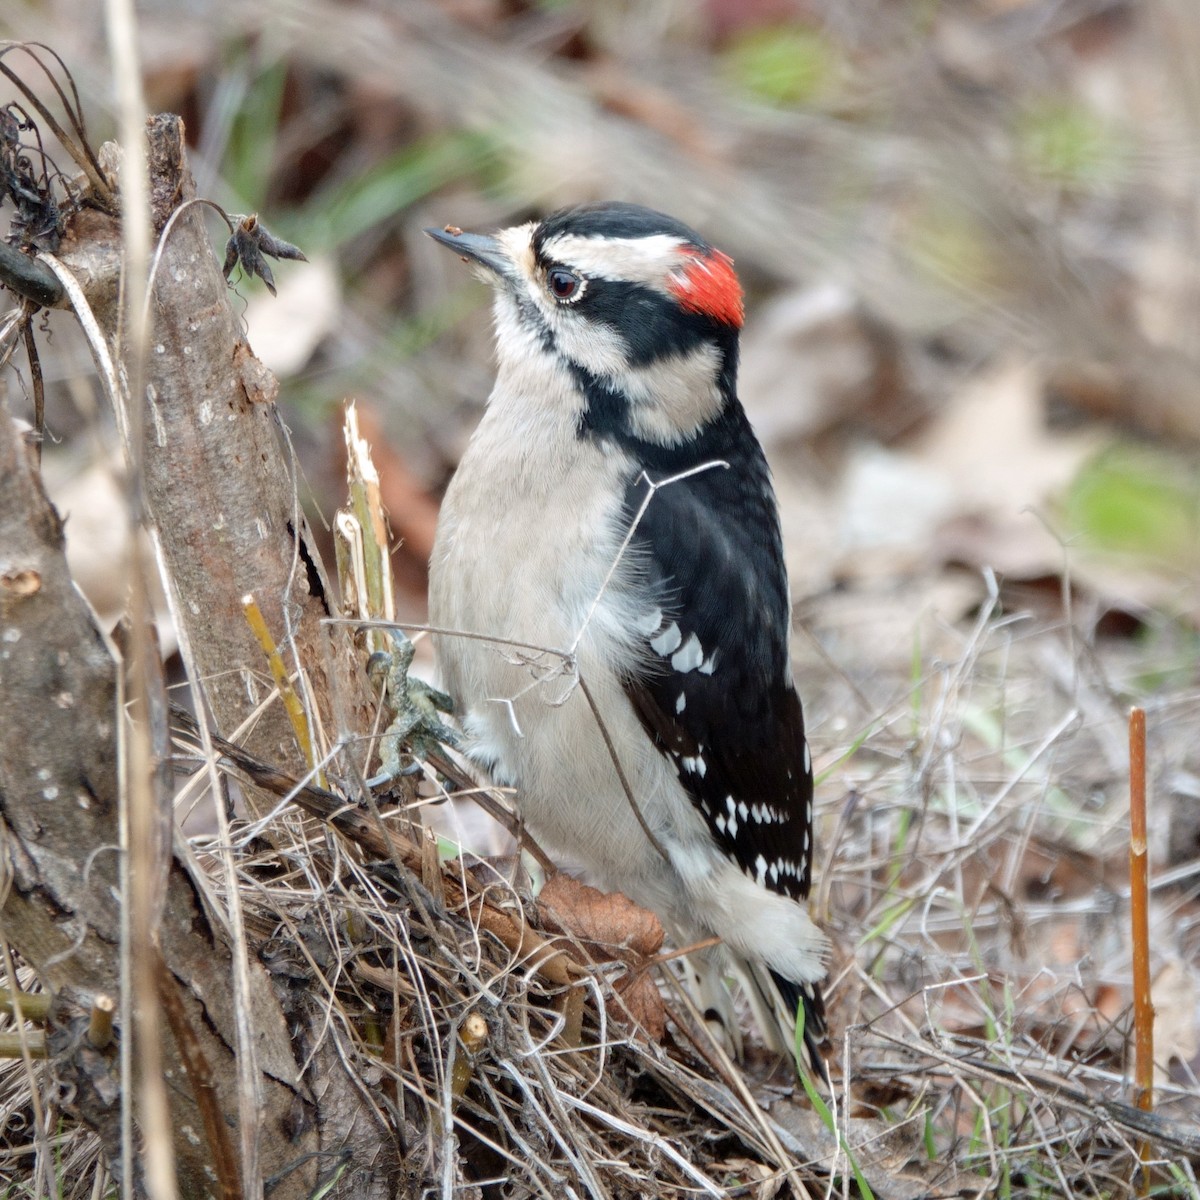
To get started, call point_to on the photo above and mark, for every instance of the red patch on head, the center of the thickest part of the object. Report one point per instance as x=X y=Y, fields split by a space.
x=708 y=284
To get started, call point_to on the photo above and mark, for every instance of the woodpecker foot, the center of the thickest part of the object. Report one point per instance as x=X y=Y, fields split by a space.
x=417 y=728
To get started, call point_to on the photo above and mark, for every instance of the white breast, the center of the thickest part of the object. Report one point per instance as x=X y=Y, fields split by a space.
x=529 y=533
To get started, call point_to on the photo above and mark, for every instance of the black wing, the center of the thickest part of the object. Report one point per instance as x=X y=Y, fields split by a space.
x=716 y=694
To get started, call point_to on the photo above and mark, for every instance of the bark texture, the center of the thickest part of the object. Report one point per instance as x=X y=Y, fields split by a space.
x=59 y=808
x=219 y=488
x=220 y=497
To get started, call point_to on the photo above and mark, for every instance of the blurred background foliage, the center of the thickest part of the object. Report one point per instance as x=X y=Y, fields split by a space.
x=967 y=229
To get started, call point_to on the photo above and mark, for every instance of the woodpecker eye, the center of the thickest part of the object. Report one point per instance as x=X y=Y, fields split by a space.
x=563 y=284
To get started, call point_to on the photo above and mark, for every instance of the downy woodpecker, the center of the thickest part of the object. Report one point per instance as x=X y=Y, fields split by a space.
x=612 y=533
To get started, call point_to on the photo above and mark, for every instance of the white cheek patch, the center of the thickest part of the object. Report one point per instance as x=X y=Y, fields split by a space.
x=645 y=260
x=671 y=398
x=598 y=348
x=516 y=340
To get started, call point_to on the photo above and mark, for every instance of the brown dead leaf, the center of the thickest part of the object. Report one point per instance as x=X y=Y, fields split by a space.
x=995 y=449
x=642 y=1001
x=610 y=927
x=605 y=922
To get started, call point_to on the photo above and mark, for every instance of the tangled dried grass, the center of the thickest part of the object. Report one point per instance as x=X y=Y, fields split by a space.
x=982 y=1025
x=495 y=1054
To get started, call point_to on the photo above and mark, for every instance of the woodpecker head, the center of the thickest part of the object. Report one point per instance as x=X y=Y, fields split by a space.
x=631 y=308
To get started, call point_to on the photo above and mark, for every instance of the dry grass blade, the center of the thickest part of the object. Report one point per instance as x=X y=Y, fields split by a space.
x=279 y=673
x=1139 y=920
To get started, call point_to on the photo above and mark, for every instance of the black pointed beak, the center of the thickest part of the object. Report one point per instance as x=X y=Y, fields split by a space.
x=474 y=247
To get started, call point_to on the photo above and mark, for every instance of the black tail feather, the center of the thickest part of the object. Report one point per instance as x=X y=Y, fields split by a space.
x=816 y=1033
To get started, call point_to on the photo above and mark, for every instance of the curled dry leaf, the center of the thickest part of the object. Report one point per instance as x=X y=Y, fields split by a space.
x=611 y=927
x=641 y=1002
x=608 y=924
x=250 y=241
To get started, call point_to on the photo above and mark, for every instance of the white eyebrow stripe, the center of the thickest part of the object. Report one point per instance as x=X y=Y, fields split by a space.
x=645 y=260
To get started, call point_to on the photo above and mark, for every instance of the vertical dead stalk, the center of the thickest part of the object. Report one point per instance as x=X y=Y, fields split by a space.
x=143 y=867
x=1139 y=915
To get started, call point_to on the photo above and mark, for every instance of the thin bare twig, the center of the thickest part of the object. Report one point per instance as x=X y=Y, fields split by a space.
x=1139 y=919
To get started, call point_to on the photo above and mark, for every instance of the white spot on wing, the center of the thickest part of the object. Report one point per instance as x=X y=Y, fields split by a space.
x=689 y=656
x=680 y=703
x=760 y=870
x=807 y=758
x=668 y=641
x=709 y=664
x=731 y=824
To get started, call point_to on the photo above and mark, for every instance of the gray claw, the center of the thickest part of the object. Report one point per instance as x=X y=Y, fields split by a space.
x=416 y=730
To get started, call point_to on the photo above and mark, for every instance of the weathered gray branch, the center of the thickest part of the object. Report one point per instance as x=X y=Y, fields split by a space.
x=59 y=805
x=220 y=497
x=219 y=488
